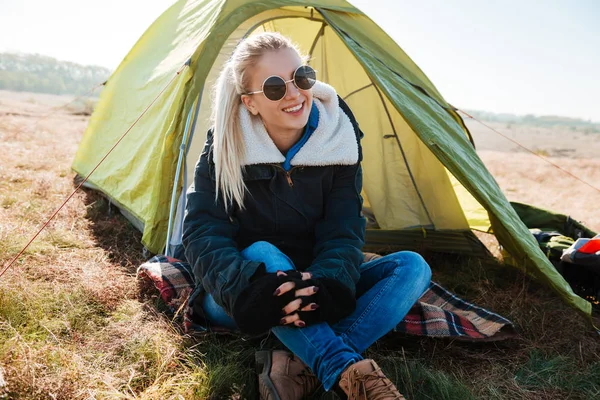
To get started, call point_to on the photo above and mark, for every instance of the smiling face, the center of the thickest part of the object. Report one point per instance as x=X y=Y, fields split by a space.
x=288 y=116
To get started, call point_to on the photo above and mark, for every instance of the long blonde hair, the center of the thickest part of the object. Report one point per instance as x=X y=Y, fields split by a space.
x=228 y=140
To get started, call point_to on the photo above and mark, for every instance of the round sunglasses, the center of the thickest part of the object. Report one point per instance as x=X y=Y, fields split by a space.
x=275 y=87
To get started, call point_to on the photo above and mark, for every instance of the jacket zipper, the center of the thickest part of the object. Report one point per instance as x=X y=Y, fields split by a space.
x=288 y=174
x=289 y=178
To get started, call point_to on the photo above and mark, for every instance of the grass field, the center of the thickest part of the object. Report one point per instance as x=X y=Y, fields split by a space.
x=76 y=324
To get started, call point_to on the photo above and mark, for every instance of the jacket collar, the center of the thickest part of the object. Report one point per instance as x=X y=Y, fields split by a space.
x=332 y=143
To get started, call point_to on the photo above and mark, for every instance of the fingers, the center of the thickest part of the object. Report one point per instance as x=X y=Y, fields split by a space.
x=292 y=306
x=287 y=286
x=305 y=275
x=284 y=288
x=307 y=291
x=296 y=304
x=310 y=307
x=293 y=319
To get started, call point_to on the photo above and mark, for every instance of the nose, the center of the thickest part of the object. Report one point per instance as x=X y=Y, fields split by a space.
x=292 y=91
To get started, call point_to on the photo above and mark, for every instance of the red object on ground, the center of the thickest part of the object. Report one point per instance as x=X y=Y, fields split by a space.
x=591 y=247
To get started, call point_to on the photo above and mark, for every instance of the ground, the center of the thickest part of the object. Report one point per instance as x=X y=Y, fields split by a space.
x=527 y=178
x=76 y=324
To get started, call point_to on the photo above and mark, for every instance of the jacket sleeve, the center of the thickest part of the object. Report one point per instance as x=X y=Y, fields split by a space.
x=209 y=238
x=340 y=234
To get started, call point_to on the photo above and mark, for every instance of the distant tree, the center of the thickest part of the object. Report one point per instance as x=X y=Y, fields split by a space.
x=42 y=74
x=538 y=121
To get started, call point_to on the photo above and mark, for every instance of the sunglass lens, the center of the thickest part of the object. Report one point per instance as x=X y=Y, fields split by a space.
x=274 y=88
x=305 y=77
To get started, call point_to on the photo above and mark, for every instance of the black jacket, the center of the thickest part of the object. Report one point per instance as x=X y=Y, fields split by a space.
x=312 y=214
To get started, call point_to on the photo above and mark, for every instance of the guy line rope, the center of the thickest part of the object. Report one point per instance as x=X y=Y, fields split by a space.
x=11 y=262
x=531 y=151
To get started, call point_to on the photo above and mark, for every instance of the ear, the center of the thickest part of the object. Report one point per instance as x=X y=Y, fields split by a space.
x=250 y=104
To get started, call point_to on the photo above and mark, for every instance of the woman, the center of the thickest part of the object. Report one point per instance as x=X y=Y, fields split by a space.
x=274 y=228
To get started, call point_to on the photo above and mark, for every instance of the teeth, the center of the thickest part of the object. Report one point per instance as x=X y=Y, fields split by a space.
x=293 y=109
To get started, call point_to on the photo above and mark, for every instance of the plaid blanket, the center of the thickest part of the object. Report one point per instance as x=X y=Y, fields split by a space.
x=438 y=313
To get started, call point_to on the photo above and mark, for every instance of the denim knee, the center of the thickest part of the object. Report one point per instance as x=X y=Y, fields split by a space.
x=420 y=271
x=254 y=251
x=267 y=253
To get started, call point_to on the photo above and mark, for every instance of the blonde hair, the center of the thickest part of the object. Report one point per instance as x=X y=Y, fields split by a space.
x=228 y=140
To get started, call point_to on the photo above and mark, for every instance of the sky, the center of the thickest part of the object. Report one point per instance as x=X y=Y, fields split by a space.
x=521 y=57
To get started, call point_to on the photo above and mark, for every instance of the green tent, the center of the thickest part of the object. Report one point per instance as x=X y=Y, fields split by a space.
x=424 y=185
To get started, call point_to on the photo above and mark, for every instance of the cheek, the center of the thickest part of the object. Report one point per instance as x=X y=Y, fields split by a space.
x=309 y=97
x=272 y=108
x=268 y=110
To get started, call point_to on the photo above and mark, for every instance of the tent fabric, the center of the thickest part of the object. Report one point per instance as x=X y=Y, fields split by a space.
x=420 y=169
x=451 y=242
x=534 y=217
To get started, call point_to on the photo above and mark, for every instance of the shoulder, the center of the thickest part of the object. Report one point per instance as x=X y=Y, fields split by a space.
x=330 y=104
x=357 y=132
x=346 y=109
x=205 y=164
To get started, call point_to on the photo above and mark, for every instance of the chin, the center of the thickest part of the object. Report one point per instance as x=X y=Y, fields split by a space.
x=298 y=125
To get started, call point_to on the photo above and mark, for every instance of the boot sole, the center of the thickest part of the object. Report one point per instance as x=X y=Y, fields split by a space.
x=264 y=361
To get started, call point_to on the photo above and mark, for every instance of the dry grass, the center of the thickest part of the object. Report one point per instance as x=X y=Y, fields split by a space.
x=71 y=325
x=74 y=324
x=528 y=179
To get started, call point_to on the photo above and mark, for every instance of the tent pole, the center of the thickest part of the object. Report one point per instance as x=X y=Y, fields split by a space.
x=182 y=150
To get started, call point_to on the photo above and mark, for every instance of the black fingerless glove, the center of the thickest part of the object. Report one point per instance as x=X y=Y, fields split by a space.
x=256 y=309
x=335 y=300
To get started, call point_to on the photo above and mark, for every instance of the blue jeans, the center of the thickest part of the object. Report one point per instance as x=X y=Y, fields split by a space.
x=385 y=292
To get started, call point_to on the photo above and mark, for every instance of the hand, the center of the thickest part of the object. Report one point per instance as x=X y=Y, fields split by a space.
x=334 y=301
x=260 y=306
x=291 y=316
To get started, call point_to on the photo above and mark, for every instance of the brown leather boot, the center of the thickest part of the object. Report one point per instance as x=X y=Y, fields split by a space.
x=283 y=376
x=364 y=380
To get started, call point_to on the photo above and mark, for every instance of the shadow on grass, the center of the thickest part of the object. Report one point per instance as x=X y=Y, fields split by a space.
x=229 y=361
x=113 y=232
